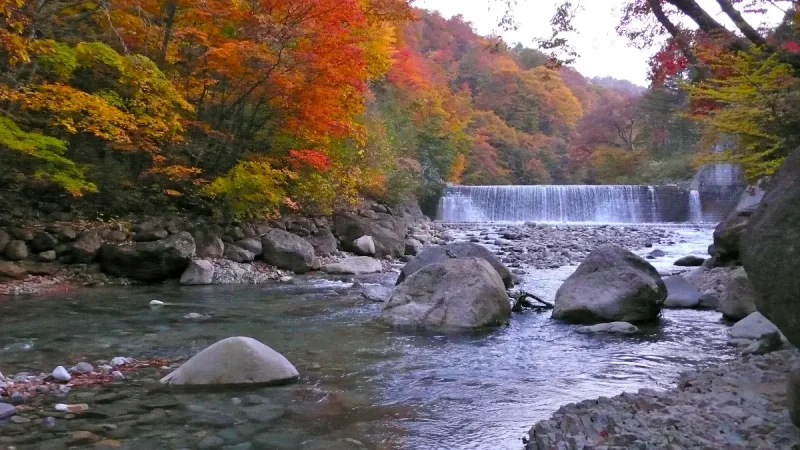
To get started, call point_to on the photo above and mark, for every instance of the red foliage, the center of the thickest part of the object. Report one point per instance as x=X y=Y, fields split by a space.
x=313 y=159
x=667 y=62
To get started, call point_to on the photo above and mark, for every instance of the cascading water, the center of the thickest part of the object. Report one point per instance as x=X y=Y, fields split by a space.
x=606 y=204
x=695 y=206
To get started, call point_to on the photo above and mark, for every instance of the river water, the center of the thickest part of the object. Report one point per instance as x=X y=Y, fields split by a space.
x=359 y=380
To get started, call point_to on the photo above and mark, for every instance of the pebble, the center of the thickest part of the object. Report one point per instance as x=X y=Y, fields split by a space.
x=61 y=374
x=156 y=303
x=120 y=361
x=16 y=398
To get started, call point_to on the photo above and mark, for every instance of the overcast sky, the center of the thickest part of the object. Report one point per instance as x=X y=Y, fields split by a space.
x=601 y=51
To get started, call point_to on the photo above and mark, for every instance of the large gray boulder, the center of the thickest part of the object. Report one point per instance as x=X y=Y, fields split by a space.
x=200 y=272
x=287 y=251
x=611 y=285
x=680 y=294
x=149 y=261
x=207 y=243
x=16 y=250
x=238 y=254
x=433 y=255
x=323 y=241
x=770 y=249
x=252 y=245
x=86 y=248
x=354 y=265
x=754 y=326
x=388 y=232
x=727 y=239
x=364 y=246
x=740 y=298
x=456 y=294
x=233 y=361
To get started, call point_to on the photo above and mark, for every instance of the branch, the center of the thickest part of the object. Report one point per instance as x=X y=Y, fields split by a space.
x=748 y=31
x=680 y=39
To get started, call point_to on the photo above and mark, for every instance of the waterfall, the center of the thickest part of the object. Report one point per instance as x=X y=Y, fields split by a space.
x=695 y=206
x=604 y=204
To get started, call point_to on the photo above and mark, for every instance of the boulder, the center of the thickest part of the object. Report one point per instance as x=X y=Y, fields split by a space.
x=287 y=251
x=754 y=326
x=657 y=253
x=238 y=254
x=86 y=248
x=611 y=284
x=377 y=293
x=354 y=265
x=433 y=255
x=150 y=235
x=5 y=238
x=727 y=239
x=680 y=294
x=208 y=244
x=7 y=411
x=48 y=256
x=459 y=293
x=200 y=272
x=16 y=250
x=233 y=361
x=323 y=241
x=770 y=248
x=413 y=247
x=149 y=261
x=22 y=234
x=12 y=271
x=43 y=241
x=739 y=299
x=66 y=234
x=388 y=232
x=114 y=235
x=792 y=395
x=364 y=246
x=612 y=328
x=252 y=245
x=689 y=261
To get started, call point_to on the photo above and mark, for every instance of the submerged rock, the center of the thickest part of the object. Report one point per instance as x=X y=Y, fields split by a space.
x=680 y=294
x=354 y=265
x=612 y=327
x=233 y=361
x=612 y=284
x=433 y=255
x=457 y=294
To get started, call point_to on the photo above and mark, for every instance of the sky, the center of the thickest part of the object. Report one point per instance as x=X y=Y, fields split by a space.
x=602 y=52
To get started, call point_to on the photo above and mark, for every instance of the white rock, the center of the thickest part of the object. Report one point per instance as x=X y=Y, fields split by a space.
x=364 y=246
x=120 y=361
x=196 y=316
x=231 y=361
x=117 y=375
x=753 y=326
x=286 y=279
x=612 y=327
x=61 y=374
x=61 y=407
x=355 y=265
x=156 y=303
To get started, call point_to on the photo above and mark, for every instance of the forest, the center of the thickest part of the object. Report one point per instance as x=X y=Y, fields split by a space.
x=254 y=109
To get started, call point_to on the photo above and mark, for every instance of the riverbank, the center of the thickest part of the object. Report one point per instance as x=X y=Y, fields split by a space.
x=739 y=405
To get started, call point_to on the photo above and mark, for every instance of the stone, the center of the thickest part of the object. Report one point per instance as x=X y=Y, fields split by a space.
x=611 y=285
x=285 y=250
x=708 y=301
x=765 y=344
x=119 y=361
x=689 y=261
x=238 y=254
x=387 y=232
x=727 y=239
x=792 y=395
x=323 y=241
x=117 y=375
x=22 y=234
x=377 y=293
x=48 y=256
x=233 y=361
x=657 y=253
x=150 y=235
x=364 y=246
x=413 y=247
x=7 y=411
x=770 y=249
x=440 y=254
x=114 y=235
x=12 y=271
x=457 y=294
x=5 y=238
x=61 y=374
x=680 y=294
x=252 y=245
x=612 y=327
x=156 y=303
x=200 y=272
x=197 y=317
x=739 y=299
x=86 y=248
x=16 y=250
x=754 y=326
x=82 y=367
x=66 y=234
x=149 y=261
x=16 y=398
x=208 y=244
x=43 y=241
x=354 y=265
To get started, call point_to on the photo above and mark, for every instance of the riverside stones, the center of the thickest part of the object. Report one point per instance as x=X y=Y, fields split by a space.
x=86 y=247
x=7 y=411
x=233 y=361
x=611 y=285
x=16 y=250
x=238 y=254
x=770 y=247
x=354 y=265
x=150 y=261
x=387 y=232
x=208 y=244
x=252 y=245
x=364 y=246
x=680 y=294
x=754 y=326
x=199 y=272
x=433 y=255
x=323 y=241
x=459 y=293
x=740 y=298
x=287 y=251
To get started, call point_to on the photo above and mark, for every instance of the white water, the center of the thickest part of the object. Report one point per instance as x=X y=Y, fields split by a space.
x=695 y=206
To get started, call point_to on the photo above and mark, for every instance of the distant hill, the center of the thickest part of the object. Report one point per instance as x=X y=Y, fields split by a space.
x=620 y=85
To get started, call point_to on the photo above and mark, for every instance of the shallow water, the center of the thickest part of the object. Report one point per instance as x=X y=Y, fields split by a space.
x=359 y=380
